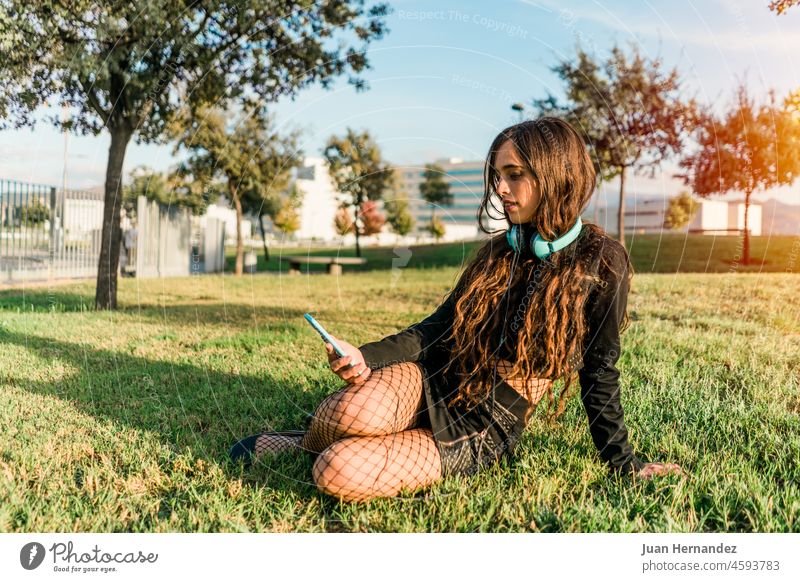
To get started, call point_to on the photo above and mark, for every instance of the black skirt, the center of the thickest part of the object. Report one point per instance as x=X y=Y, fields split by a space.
x=469 y=439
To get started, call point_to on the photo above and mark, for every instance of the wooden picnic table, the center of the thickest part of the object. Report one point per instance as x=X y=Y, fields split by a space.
x=334 y=263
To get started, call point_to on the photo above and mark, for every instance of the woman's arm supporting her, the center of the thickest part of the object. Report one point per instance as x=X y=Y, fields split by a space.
x=599 y=377
x=415 y=342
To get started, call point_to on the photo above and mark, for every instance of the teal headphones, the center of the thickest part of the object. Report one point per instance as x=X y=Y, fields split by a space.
x=540 y=247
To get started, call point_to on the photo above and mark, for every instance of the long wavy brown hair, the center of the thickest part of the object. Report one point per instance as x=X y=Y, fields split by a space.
x=544 y=308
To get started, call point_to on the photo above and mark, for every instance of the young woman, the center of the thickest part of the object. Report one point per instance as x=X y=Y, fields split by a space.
x=542 y=302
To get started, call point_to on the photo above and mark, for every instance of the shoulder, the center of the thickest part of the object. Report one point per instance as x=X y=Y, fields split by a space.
x=608 y=270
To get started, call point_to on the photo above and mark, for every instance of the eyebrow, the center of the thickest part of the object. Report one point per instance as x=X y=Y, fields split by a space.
x=511 y=166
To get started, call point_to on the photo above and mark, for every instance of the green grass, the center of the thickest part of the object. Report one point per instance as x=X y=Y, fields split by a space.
x=122 y=421
x=650 y=253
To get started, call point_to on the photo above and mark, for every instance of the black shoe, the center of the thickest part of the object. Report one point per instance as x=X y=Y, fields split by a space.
x=245 y=449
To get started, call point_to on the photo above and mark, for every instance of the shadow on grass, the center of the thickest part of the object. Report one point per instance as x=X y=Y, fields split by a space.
x=185 y=405
x=192 y=313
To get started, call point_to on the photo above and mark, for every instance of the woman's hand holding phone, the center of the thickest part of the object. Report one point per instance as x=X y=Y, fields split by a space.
x=355 y=374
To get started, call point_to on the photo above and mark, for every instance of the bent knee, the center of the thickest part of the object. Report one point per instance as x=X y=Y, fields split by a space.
x=337 y=471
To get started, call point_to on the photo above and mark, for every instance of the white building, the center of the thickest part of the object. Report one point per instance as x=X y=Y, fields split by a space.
x=713 y=217
x=467 y=189
x=221 y=210
x=320 y=201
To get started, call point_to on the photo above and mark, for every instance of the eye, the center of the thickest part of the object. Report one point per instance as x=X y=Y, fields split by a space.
x=515 y=176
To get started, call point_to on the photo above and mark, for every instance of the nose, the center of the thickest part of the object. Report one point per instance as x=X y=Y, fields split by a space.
x=502 y=186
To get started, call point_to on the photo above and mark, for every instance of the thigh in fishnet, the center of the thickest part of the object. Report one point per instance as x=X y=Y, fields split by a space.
x=389 y=401
x=360 y=468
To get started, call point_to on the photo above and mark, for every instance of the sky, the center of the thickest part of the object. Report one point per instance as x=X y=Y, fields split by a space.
x=443 y=79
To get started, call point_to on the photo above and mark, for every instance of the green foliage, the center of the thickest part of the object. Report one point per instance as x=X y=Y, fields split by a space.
x=627 y=108
x=681 y=210
x=436 y=227
x=33 y=214
x=356 y=167
x=287 y=219
x=434 y=188
x=136 y=64
x=398 y=216
x=245 y=152
x=174 y=189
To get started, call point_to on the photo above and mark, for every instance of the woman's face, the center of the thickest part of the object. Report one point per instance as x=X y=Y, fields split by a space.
x=516 y=185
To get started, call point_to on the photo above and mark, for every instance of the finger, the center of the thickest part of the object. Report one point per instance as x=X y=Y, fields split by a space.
x=354 y=374
x=351 y=372
x=340 y=363
x=328 y=348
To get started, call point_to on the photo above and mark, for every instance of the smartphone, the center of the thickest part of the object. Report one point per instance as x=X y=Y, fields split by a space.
x=325 y=335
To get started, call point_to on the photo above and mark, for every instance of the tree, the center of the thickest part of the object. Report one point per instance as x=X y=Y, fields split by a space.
x=237 y=148
x=356 y=167
x=434 y=188
x=781 y=6
x=34 y=213
x=372 y=221
x=749 y=148
x=126 y=67
x=287 y=219
x=398 y=216
x=680 y=211
x=174 y=189
x=343 y=221
x=436 y=227
x=628 y=110
x=280 y=155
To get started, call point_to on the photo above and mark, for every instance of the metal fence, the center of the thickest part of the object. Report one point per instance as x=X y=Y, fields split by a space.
x=48 y=232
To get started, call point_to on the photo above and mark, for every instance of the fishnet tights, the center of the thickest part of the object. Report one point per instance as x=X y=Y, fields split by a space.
x=367 y=438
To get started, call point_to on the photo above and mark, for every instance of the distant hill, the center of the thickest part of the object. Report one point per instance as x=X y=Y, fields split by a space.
x=780 y=218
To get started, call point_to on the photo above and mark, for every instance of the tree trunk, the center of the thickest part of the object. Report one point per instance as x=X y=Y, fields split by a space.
x=621 y=211
x=263 y=237
x=355 y=227
x=106 y=290
x=746 y=249
x=237 y=203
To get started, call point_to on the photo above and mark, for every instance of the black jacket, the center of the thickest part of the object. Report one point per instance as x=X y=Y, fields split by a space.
x=598 y=375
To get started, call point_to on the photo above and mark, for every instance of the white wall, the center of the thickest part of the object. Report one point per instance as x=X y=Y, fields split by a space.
x=319 y=204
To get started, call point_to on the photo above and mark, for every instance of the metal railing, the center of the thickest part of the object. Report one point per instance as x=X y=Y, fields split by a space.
x=48 y=232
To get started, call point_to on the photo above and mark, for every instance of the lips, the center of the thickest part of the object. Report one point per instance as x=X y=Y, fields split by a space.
x=509 y=205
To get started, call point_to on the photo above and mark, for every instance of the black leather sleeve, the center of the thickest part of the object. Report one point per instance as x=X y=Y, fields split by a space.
x=599 y=377
x=414 y=343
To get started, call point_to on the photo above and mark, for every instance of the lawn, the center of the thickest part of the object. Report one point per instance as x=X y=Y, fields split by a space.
x=121 y=421
x=650 y=253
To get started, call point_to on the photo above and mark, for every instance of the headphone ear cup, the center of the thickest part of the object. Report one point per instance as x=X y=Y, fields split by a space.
x=512 y=236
